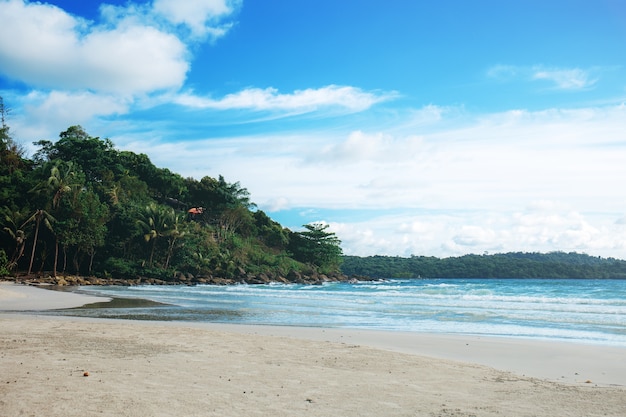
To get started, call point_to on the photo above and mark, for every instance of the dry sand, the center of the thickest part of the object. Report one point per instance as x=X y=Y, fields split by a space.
x=166 y=369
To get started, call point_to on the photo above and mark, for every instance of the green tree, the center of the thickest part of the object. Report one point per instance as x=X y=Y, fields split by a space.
x=4 y=264
x=13 y=225
x=317 y=246
x=62 y=181
x=11 y=152
x=217 y=196
x=158 y=222
x=92 y=216
x=96 y=158
x=269 y=231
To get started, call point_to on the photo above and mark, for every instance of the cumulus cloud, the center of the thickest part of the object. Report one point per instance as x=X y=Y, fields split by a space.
x=43 y=46
x=132 y=49
x=454 y=233
x=346 y=97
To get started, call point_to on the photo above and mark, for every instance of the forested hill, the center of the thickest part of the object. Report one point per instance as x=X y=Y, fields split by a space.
x=81 y=207
x=506 y=265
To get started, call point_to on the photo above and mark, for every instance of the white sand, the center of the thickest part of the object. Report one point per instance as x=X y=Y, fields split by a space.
x=28 y=298
x=179 y=369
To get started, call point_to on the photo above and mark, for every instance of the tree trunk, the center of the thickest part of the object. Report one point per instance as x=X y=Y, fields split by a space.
x=76 y=262
x=92 y=253
x=170 y=250
x=56 y=257
x=32 y=255
x=17 y=255
x=152 y=251
x=64 y=258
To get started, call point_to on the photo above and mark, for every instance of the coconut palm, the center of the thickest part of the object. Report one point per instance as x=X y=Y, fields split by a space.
x=38 y=217
x=154 y=225
x=12 y=221
x=62 y=180
x=173 y=233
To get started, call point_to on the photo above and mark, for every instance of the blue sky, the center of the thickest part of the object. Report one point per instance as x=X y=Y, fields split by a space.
x=427 y=128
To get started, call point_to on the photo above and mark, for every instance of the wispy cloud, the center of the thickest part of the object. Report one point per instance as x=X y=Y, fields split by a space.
x=202 y=17
x=565 y=79
x=560 y=78
x=496 y=160
x=347 y=97
x=503 y=72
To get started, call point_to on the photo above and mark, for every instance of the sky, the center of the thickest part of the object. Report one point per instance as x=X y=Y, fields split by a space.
x=409 y=127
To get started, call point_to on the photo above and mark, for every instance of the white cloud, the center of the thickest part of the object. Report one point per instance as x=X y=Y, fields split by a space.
x=561 y=78
x=44 y=114
x=471 y=235
x=346 y=97
x=565 y=79
x=502 y=72
x=44 y=46
x=80 y=107
x=456 y=233
x=501 y=160
x=203 y=17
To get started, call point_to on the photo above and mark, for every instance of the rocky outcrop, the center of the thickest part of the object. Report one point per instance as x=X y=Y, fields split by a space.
x=181 y=278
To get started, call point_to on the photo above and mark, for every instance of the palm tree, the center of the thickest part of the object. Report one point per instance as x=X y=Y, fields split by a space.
x=173 y=233
x=38 y=217
x=154 y=225
x=62 y=180
x=11 y=221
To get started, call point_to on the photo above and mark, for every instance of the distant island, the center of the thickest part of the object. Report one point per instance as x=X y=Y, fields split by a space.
x=505 y=265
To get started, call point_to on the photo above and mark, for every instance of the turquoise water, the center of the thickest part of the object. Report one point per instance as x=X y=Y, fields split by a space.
x=590 y=311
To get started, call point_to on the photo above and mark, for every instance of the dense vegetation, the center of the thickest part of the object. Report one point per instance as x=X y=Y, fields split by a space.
x=507 y=265
x=80 y=206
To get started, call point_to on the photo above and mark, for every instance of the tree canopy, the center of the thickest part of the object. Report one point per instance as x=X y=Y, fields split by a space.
x=81 y=206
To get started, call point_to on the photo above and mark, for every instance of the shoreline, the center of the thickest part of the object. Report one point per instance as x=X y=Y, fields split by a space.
x=563 y=362
x=64 y=366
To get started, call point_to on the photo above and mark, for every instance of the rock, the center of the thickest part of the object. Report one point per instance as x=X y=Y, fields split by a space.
x=60 y=281
x=294 y=276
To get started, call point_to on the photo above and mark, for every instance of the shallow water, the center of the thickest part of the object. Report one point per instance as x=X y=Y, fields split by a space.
x=590 y=311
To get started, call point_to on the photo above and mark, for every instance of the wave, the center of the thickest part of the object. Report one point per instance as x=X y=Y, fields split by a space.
x=564 y=309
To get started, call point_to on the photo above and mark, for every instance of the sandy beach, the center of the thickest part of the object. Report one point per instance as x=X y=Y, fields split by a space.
x=183 y=369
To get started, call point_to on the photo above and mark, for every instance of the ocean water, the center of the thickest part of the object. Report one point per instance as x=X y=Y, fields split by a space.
x=589 y=311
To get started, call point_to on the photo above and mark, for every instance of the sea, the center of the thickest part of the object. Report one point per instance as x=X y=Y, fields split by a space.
x=576 y=310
